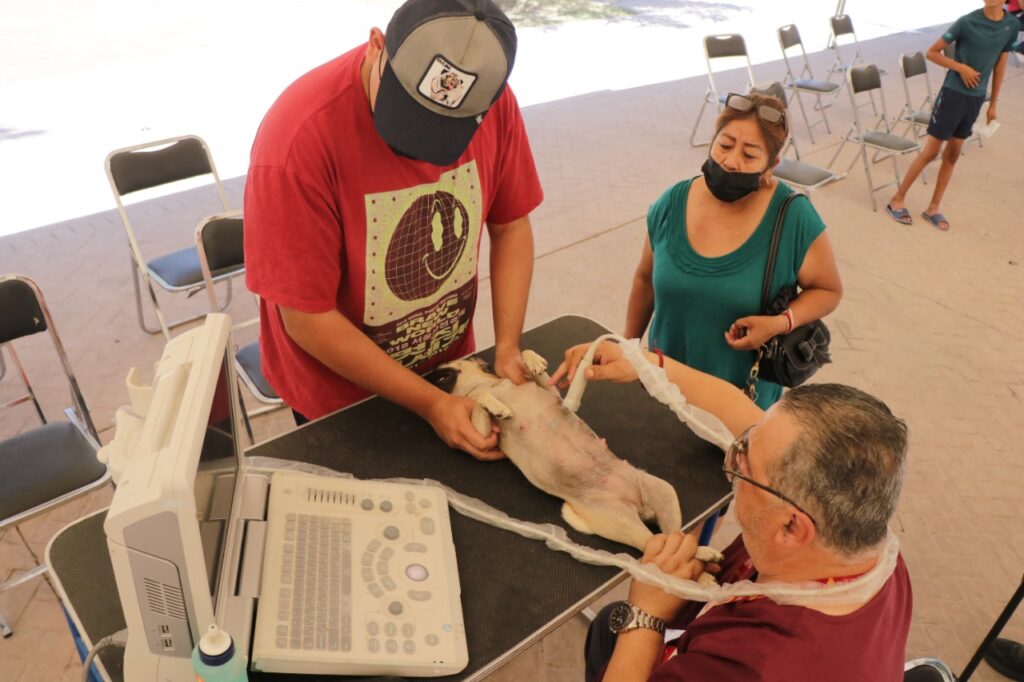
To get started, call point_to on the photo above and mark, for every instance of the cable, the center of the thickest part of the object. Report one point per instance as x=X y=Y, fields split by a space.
x=119 y=638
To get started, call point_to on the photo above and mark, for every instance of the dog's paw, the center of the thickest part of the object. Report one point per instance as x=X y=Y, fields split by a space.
x=535 y=364
x=495 y=407
x=706 y=580
x=709 y=555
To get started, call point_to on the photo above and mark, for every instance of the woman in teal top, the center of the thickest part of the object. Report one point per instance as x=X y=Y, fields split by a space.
x=702 y=266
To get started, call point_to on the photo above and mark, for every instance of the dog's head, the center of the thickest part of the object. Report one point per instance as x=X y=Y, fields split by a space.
x=462 y=376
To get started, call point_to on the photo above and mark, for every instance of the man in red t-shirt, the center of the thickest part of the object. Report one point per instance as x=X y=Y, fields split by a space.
x=817 y=478
x=370 y=180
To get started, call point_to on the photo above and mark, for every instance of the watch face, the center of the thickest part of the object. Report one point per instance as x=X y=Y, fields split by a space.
x=620 y=617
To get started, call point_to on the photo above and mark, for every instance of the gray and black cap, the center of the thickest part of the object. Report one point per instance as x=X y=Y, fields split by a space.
x=447 y=63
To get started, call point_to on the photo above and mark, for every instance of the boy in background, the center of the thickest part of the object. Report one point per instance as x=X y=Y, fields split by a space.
x=983 y=40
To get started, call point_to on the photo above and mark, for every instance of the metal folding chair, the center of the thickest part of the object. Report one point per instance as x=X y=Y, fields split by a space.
x=805 y=82
x=841 y=27
x=219 y=243
x=722 y=46
x=51 y=464
x=868 y=79
x=795 y=172
x=149 y=165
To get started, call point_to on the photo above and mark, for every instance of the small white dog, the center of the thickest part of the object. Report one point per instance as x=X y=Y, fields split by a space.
x=561 y=455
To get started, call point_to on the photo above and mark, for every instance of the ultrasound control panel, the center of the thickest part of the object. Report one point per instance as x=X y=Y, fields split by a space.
x=359 y=578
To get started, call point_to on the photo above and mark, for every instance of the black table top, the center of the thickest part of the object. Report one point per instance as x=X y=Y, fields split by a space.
x=512 y=588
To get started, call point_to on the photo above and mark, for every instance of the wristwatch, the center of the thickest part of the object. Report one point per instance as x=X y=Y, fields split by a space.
x=625 y=617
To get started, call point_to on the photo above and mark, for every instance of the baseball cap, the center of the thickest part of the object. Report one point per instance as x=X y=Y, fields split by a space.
x=447 y=62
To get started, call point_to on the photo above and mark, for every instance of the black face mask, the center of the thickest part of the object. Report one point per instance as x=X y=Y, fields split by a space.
x=726 y=185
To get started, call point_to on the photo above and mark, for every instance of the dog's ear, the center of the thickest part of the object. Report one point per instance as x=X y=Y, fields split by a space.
x=483 y=364
x=444 y=378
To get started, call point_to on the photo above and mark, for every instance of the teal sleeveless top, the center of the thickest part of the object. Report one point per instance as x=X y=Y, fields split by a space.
x=696 y=299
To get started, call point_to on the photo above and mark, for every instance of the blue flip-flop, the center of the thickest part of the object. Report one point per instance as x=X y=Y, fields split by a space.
x=900 y=215
x=936 y=219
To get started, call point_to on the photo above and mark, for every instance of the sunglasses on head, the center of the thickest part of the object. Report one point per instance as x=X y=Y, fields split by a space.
x=771 y=115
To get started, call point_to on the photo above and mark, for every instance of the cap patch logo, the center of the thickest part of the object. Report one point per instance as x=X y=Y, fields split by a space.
x=445 y=83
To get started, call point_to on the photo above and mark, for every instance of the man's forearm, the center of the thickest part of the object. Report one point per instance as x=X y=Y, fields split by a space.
x=511 y=273
x=344 y=348
x=713 y=395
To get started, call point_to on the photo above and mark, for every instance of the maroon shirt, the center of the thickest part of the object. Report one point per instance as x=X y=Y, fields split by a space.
x=758 y=639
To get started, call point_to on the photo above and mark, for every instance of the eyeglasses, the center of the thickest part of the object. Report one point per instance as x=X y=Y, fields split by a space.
x=766 y=112
x=736 y=460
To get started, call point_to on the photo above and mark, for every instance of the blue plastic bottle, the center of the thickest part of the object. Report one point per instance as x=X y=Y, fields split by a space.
x=215 y=658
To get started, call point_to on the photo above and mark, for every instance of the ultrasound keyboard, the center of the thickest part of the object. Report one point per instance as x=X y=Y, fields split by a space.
x=359 y=578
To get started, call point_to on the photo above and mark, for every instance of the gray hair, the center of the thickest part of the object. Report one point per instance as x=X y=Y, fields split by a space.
x=846 y=465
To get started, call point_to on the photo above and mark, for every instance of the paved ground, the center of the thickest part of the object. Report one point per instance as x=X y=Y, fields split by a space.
x=930 y=323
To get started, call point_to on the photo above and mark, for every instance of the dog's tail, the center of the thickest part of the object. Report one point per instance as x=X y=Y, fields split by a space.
x=660 y=502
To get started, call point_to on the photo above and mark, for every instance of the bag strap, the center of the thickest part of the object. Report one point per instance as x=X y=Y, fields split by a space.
x=773 y=250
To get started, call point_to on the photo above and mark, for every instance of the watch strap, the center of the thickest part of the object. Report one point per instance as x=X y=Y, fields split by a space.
x=642 y=619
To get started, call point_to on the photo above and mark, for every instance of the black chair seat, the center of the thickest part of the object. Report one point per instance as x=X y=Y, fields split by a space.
x=889 y=142
x=249 y=359
x=181 y=269
x=44 y=464
x=815 y=85
x=801 y=174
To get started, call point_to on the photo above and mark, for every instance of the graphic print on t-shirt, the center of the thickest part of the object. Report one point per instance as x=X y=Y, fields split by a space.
x=421 y=249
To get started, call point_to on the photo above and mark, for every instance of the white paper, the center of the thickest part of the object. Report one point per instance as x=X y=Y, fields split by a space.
x=989 y=130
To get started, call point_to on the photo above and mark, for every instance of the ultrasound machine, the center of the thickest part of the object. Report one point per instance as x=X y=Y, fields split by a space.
x=309 y=574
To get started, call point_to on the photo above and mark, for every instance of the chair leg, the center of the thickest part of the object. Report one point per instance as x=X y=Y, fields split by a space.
x=696 y=124
x=136 y=276
x=803 y=112
x=839 y=149
x=871 y=181
x=5 y=629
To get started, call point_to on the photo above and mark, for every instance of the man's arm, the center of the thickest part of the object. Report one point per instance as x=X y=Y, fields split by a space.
x=997 y=84
x=511 y=273
x=336 y=342
x=709 y=393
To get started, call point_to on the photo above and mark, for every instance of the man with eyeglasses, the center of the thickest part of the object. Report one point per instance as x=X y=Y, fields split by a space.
x=816 y=479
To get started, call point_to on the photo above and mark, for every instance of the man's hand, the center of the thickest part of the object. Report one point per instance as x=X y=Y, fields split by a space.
x=752 y=332
x=991 y=113
x=609 y=364
x=508 y=364
x=450 y=419
x=969 y=76
x=673 y=554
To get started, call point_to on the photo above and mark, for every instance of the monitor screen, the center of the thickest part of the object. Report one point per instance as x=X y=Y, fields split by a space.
x=215 y=477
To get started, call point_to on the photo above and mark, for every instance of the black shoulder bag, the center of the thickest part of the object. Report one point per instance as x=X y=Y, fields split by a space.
x=788 y=359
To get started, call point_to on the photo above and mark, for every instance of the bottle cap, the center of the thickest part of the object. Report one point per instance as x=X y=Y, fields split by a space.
x=216 y=647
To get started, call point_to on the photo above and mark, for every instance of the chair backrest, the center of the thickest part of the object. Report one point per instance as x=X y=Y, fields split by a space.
x=158 y=163
x=153 y=164
x=864 y=78
x=867 y=78
x=220 y=245
x=915 y=66
x=789 y=36
x=912 y=65
x=23 y=312
x=842 y=25
x=724 y=46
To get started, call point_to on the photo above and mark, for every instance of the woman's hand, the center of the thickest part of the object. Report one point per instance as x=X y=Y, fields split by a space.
x=608 y=365
x=752 y=332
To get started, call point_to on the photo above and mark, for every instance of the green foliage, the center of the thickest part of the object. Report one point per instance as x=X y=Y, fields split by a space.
x=547 y=12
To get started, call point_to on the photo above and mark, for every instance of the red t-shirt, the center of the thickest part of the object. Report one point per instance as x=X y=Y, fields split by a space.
x=760 y=640
x=335 y=220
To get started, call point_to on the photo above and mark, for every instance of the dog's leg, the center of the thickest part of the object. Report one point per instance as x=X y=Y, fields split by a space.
x=660 y=502
x=619 y=523
x=486 y=407
x=536 y=370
